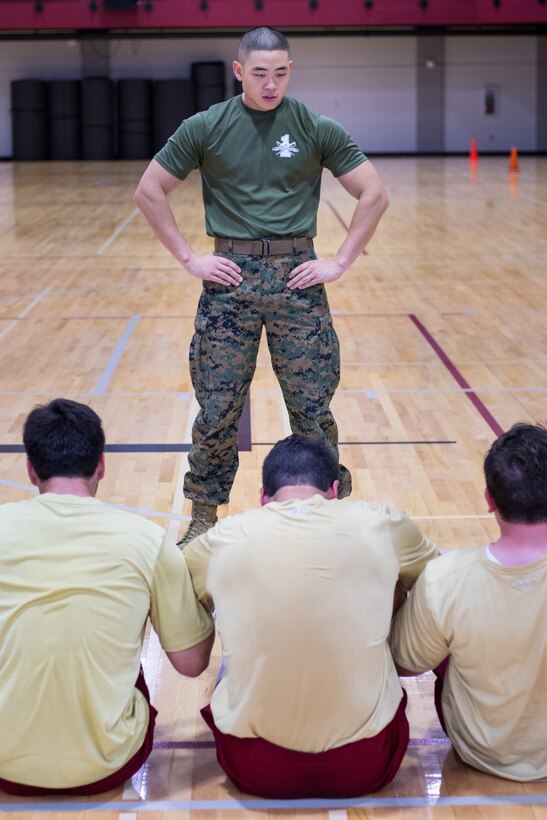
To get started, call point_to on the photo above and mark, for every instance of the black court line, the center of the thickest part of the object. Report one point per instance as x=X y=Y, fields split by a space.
x=364 y=443
x=117 y=448
x=243 y=438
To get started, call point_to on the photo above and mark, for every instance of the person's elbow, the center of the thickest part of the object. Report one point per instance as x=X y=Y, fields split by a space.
x=382 y=201
x=149 y=190
x=193 y=661
x=375 y=199
x=139 y=197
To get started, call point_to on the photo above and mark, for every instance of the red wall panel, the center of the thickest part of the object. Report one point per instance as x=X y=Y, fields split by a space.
x=288 y=14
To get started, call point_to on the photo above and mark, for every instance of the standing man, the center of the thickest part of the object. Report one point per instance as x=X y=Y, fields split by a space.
x=78 y=580
x=261 y=156
x=310 y=704
x=479 y=616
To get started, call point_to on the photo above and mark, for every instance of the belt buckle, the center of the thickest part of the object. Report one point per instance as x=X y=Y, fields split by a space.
x=265 y=247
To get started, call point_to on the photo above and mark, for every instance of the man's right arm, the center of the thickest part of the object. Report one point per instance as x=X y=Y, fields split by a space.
x=151 y=198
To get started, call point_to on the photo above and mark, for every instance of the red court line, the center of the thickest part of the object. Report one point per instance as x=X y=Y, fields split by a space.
x=341 y=221
x=455 y=373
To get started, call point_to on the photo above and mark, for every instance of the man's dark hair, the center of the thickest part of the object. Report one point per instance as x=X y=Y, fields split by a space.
x=515 y=469
x=63 y=438
x=299 y=460
x=261 y=39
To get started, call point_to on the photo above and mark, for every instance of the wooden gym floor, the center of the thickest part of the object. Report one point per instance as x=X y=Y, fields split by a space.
x=443 y=334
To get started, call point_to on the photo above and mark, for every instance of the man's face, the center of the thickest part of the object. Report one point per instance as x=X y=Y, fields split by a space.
x=265 y=77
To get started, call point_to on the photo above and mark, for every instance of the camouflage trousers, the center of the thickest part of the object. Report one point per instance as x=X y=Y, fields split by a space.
x=304 y=353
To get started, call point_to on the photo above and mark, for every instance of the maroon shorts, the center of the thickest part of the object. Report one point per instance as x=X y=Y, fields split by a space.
x=112 y=781
x=259 y=767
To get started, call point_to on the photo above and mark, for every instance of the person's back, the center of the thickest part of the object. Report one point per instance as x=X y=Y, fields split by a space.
x=486 y=609
x=303 y=592
x=78 y=580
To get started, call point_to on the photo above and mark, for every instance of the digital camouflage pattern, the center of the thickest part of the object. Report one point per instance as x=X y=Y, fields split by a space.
x=305 y=357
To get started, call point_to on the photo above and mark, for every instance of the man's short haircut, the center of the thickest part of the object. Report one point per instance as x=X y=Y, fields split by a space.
x=63 y=438
x=515 y=469
x=299 y=460
x=261 y=39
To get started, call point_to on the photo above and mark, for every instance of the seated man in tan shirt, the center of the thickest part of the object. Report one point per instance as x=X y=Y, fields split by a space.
x=310 y=703
x=78 y=580
x=484 y=610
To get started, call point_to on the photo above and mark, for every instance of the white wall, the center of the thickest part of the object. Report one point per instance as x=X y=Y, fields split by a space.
x=507 y=62
x=366 y=83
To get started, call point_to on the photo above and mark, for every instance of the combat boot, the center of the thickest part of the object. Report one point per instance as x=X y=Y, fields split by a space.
x=204 y=516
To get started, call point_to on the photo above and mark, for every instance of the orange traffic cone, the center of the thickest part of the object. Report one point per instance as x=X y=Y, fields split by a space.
x=473 y=154
x=514 y=160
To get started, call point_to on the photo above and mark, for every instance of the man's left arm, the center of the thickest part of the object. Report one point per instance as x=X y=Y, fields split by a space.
x=412 y=548
x=417 y=641
x=197 y=555
x=184 y=627
x=364 y=184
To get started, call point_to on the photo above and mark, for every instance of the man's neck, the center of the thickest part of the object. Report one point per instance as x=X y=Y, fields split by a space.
x=520 y=544
x=61 y=485
x=297 y=492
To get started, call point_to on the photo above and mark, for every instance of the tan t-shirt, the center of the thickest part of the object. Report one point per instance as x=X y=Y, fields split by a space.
x=492 y=621
x=303 y=592
x=77 y=581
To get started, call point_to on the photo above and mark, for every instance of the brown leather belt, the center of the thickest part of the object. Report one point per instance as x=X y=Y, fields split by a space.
x=263 y=247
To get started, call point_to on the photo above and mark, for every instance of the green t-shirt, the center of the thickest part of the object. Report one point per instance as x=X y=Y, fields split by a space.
x=261 y=170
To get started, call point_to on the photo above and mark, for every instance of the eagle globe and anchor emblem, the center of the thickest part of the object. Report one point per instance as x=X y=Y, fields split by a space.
x=284 y=147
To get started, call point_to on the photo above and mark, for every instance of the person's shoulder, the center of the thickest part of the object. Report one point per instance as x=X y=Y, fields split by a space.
x=237 y=524
x=319 y=121
x=454 y=564
x=299 y=109
x=374 y=510
x=16 y=508
x=219 y=110
x=127 y=519
x=205 y=121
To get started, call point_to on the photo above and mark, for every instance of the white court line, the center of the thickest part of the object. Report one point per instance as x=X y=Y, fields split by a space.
x=117 y=232
x=25 y=312
x=152 y=662
x=138 y=510
x=88 y=393
x=441 y=390
x=127 y=815
x=338 y=814
x=178 y=501
x=34 y=302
